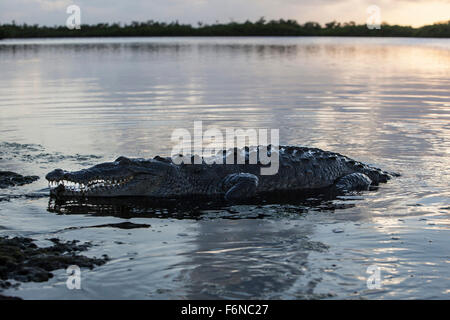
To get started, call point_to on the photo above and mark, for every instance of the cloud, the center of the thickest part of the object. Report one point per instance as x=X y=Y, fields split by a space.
x=52 y=5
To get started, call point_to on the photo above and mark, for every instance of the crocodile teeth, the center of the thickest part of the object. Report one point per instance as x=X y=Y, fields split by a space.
x=94 y=185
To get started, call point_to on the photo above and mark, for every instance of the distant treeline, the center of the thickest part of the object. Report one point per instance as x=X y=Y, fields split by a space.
x=258 y=28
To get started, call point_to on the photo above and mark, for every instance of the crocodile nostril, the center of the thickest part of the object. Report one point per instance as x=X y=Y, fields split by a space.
x=57 y=173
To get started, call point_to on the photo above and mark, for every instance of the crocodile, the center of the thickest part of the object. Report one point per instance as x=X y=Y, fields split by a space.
x=300 y=170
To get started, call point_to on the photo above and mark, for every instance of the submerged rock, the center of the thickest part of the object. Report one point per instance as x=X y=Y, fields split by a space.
x=123 y=225
x=120 y=225
x=11 y=179
x=22 y=260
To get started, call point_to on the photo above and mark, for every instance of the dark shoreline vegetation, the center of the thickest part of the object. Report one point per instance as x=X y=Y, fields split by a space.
x=258 y=28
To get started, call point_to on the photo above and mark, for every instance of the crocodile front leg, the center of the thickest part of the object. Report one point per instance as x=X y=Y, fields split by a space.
x=240 y=186
x=353 y=182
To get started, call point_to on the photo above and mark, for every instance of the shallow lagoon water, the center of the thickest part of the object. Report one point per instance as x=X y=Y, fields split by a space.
x=72 y=103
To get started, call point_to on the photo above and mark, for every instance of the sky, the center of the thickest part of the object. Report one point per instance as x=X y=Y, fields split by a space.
x=53 y=12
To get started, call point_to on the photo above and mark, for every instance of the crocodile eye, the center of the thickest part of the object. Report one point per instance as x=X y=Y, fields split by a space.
x=158 y=158
x=122 y=160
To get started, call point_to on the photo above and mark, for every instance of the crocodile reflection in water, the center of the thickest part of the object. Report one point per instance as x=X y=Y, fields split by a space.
x=135 y=207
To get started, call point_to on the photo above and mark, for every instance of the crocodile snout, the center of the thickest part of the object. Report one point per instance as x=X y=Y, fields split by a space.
x=57 y=174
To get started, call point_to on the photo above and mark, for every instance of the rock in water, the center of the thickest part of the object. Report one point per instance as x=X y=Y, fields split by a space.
x=11 y=179
x=22 y=260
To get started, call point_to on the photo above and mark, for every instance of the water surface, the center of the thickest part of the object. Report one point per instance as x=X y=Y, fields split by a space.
x=74 y=102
